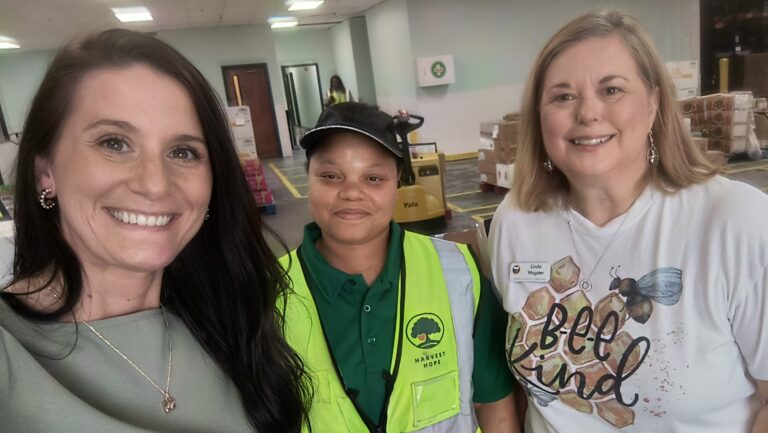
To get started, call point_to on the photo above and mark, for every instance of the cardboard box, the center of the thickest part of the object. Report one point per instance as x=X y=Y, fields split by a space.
x=761 y=128
x=686 y=93
x=684 y=74
x=726 y=117
x=487 y=143
x=246 y=147
x=506 y=154
x=504 y=174
x=500 y=130
x=487 y=155
x=728 y=101
x=728 y=131
x=698 y=121
x=691 y=105
x=489 y=178
x=728 y=146
x=485 y=166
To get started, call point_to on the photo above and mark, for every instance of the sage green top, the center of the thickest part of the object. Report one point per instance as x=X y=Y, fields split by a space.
x=60 y=377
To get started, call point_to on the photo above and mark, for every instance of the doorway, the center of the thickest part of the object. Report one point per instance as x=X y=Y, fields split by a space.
x=249 y=85
x=305 y=99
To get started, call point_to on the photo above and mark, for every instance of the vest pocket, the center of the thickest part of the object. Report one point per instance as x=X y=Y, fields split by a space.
x=435 y=399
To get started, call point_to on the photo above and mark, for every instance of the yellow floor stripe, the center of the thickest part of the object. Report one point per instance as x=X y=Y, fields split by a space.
x=740 y=169
x=462 y=210
x=482 y=216
x=285 y=181
x=295 y=167
x=462 y=193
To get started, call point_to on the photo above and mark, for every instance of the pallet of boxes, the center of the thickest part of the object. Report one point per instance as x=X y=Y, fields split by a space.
x=239 y=120
x=497 y=152
x=724 y=121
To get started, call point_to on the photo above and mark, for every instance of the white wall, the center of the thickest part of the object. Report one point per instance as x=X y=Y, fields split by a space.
x=210 y=48
x=394 y=73
x=366 y=87
x=493 y=43
x=341 y=41
x=299 y=46
x=20 y=75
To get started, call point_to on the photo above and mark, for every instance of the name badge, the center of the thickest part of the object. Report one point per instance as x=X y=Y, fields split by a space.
x=529 y=272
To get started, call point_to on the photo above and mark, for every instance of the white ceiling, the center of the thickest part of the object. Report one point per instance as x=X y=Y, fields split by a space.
x=38 y=24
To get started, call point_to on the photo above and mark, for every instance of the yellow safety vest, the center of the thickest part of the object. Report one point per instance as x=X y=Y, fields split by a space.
x=337 y=97
x=430 y=385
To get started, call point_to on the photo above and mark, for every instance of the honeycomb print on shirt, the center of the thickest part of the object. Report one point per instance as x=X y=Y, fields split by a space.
x=563 y=346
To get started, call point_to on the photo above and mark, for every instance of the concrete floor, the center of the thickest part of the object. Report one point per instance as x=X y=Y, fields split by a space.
x=288 y=180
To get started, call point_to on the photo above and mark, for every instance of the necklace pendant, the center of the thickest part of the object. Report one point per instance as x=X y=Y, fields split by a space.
x=586 y=285
x=169 y=403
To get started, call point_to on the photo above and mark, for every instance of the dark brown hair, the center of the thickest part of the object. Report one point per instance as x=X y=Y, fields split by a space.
x=224 y=284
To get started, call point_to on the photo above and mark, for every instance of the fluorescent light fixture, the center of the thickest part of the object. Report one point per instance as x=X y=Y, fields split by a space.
x=132 y=15
x=304 y=5
x=282 y=22
x=7 y=43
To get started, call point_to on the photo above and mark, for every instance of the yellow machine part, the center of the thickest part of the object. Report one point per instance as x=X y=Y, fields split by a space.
x=424 y=200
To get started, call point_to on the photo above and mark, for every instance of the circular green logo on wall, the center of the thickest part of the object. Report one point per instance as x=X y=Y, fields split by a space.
x=425 y=330
x=438 y=69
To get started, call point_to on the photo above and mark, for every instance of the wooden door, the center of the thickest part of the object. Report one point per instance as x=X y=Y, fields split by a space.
x=256 y=93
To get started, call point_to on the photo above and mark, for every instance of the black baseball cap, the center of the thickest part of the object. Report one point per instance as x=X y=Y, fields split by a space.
x=354 y=117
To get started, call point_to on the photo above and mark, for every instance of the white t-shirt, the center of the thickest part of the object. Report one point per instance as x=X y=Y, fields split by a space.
x=672 y=329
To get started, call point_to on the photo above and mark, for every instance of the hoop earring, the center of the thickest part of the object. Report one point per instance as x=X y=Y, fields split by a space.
x=45 y=202
x=548 y=165
x=653 y=152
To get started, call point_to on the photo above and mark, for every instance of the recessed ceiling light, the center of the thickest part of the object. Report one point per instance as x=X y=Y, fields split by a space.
x=7 y=43
x=304 y=5
x=282 y=22
x=132 y=15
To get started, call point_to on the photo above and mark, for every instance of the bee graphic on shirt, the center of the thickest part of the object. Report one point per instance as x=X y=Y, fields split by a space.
x=663 y=286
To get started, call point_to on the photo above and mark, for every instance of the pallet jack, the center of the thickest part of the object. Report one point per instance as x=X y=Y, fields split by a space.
x=420 y=196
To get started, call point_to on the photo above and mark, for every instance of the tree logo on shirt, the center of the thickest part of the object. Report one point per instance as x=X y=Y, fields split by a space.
x=425 y=330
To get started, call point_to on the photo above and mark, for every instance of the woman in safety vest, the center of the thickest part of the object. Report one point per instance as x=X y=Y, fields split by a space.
x=337 y=92
x=398 y=331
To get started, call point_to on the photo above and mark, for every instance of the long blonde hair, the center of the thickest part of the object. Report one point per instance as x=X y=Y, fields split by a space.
x=681 y=163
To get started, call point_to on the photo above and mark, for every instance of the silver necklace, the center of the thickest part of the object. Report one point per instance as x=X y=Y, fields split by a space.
x=169 y=401
x=586 y=283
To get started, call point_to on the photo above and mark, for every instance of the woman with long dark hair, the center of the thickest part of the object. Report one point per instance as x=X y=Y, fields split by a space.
x=337 y=92
x=143 y=293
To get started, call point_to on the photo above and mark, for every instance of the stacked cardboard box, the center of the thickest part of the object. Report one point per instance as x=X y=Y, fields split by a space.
x=723 y=118
x=685 y=76
x=498 y=150
x=239 y=119
x=761 y=127
x=254 y=175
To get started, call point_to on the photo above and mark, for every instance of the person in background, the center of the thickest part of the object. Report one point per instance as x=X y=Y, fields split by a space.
x=635 y=277
x=337 y=93
x=143 y=290
x=399 y=332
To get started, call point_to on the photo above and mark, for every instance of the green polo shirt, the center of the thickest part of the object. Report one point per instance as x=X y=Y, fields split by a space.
x=359 y=322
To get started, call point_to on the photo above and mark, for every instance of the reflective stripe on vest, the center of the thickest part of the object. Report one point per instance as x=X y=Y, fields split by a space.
x=432 y=390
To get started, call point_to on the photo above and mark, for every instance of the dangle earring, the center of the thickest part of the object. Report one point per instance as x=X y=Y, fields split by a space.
x=548 y=165
x=653 y=152
x=207 y=214
x=45 y=202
